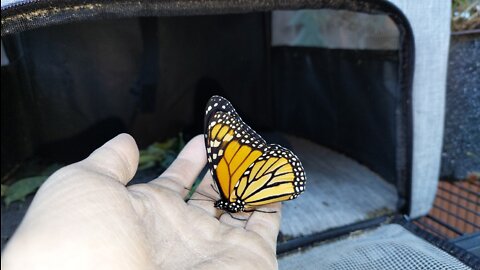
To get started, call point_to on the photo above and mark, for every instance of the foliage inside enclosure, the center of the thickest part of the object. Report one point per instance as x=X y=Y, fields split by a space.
x=161 y=153
x=26 y=180
x=27 y=177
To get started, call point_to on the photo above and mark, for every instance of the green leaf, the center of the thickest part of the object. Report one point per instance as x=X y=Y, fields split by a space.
x=147 y=158
x=155 y=150
x=167 y=145
x=162 y=154
x=146 y=165
x=22 y=188
x=4 y=189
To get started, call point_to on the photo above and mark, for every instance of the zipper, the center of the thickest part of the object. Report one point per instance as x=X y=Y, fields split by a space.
x=18 y=4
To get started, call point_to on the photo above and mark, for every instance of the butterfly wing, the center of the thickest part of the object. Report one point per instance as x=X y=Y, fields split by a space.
x=242 y=164
x=275 y=176
x=231 y=144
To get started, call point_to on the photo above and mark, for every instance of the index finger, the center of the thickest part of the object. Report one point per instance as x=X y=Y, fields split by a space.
x=266 y=222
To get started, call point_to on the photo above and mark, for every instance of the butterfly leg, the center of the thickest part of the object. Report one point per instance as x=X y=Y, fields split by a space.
x=241 y=219
x=261 y=211
x=215 y=188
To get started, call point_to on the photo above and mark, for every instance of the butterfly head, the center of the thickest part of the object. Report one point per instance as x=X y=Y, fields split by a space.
x=232 y=207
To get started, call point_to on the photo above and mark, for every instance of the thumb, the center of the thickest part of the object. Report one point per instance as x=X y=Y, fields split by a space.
x=117 y=158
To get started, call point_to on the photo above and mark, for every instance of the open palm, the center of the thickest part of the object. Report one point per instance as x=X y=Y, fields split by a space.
x=84 y=217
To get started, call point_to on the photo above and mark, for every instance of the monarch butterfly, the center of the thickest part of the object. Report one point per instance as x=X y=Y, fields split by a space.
x=248 y=172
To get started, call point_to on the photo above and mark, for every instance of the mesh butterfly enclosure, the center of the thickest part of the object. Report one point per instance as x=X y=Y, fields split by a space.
x=345 y=85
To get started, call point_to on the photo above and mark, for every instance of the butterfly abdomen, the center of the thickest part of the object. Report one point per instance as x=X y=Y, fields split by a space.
x=232 y=207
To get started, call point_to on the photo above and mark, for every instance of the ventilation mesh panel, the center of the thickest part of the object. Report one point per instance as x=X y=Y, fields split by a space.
x=388 y=247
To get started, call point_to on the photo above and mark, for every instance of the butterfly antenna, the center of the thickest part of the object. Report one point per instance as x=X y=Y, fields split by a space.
x=213 y=199
x=201 y=200
x=196 y=191
x=215 y=188
x=241 y=219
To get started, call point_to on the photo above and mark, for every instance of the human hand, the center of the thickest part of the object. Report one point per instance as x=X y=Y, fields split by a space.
x=84 y=217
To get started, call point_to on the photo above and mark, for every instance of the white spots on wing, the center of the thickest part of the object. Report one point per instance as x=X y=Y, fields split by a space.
x=215 y=143
x=214 y=156
x=220 y=152
x=209 y=150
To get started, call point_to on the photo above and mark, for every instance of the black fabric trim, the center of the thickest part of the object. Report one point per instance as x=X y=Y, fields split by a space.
x=461 y=254
x=307 y=240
